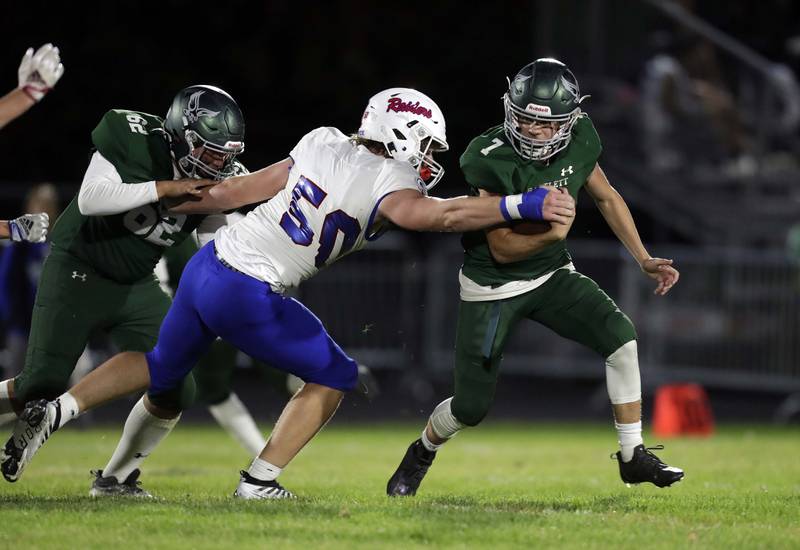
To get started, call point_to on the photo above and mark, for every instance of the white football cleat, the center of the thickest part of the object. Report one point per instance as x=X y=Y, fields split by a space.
x=39 y=419
x=251 y=488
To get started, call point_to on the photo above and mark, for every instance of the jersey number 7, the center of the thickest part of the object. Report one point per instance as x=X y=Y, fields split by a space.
x=296 y=225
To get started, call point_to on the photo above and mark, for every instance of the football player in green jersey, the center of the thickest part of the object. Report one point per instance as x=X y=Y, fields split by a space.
x=515 y=273
x=105 y=245
x=38 y=73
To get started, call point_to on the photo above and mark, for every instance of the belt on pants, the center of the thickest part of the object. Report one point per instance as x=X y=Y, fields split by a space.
x=226 y=264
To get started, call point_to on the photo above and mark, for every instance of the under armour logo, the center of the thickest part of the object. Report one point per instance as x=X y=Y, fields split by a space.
x=567 y=170
x=81 y=276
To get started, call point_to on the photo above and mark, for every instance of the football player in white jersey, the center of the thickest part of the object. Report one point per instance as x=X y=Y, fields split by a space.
x=329 y=198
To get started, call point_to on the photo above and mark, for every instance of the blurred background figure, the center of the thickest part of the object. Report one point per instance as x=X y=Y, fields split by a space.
x=20 y=266
x=690 y=114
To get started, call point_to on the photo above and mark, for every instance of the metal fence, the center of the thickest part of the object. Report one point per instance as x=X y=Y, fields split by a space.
x=731 y=322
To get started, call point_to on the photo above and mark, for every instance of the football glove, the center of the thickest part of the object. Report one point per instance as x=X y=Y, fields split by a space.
x=30 y=227
x=39 y=72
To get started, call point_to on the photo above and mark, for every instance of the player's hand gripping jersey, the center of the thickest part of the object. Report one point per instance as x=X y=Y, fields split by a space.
x=126 y=247
x=327 y=210
x=490 y=163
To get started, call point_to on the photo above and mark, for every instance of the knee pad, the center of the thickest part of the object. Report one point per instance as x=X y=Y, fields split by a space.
x=622 y=374
x=444 y=424
x=177 y=399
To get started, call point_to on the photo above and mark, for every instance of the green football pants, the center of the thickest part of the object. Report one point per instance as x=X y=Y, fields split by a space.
x=72 y=302
x=570 y=304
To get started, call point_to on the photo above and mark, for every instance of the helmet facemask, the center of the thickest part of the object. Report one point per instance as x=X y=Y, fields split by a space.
x=420 y=153
x=199 y=160
x=537 y=149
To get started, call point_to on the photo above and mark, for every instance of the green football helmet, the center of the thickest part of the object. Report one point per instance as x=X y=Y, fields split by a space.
x=206 y=132
x=544 y=91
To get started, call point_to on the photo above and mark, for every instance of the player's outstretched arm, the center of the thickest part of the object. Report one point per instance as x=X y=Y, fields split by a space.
x=618 y=216
x=30 y=227
x=410 y=209
x=237 y=191
x=38 y=73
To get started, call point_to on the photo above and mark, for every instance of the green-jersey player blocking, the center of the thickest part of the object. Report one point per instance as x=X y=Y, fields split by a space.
x=511 y=274
x=105 y=245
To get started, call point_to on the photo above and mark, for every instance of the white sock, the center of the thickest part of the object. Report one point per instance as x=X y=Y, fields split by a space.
x=5 y=399
x=263 y=470
x=630 y=436
x=427 y=443
x=142 y=433
x=237 y=421
x=69 y=408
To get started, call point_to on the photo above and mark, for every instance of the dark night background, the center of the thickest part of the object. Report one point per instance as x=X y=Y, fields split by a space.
x=294 y=66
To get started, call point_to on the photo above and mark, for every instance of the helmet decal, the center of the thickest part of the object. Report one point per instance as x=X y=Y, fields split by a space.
x=570 y=87
x=542 y=109
x=397 y=105
x=193 y=111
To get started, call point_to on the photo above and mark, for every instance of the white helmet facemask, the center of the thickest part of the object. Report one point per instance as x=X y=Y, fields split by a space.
x=410 y=126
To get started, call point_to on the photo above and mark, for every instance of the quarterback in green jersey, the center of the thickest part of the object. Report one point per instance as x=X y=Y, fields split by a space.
x=99 y=274
x=511 y=273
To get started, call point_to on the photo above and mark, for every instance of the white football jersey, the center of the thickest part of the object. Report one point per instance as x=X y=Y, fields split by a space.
x=327 y=210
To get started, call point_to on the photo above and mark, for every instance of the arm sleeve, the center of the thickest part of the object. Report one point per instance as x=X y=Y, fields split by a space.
x=209 y=226
x=103 y=193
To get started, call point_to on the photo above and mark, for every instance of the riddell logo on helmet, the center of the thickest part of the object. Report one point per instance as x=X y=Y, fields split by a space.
x=399 y=106
x=533 y=108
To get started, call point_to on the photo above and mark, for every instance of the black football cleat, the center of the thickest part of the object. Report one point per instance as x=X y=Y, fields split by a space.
x=110 y=487
x=413 y=467
x=647 y=467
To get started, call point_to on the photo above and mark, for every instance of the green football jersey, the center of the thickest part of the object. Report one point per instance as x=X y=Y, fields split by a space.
x=490 y=163
x=126 y=247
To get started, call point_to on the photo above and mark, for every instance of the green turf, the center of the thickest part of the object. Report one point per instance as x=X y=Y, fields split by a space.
x=499 y=486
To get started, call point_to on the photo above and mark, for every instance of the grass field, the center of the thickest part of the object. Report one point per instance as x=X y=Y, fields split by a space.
x=503 y=485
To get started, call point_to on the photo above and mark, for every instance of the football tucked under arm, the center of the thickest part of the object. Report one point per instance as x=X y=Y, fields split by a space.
x=531 y=228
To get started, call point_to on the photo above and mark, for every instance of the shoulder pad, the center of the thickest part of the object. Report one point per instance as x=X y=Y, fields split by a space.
x=488 y=161
x=135 y=144
x=585 y=135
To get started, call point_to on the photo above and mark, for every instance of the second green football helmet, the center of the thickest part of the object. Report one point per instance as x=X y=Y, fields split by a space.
x=544 y=91
x=206 y=131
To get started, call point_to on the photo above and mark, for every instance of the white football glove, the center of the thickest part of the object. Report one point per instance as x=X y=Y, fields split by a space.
x=39 y=72
x=30 y=227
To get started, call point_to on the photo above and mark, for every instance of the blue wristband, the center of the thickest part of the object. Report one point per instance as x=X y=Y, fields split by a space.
x=504 y=210
x=15 y=232
x=532 y=201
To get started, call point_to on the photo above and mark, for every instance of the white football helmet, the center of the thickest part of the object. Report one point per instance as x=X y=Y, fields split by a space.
x=411 y=127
